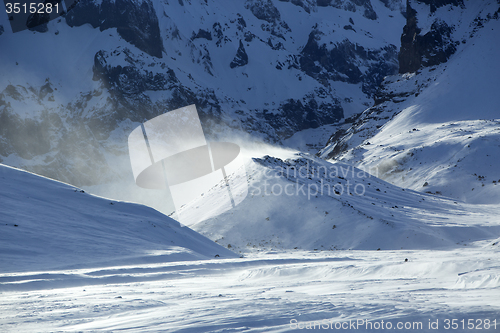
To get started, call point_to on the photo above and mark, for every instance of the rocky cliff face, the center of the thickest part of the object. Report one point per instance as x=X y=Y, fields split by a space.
x=264 y=69
x=435 y=30
x=135 y=21
x=345 y=60
x=432 y=47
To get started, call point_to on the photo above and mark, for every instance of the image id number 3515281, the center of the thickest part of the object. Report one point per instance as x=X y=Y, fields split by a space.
x=31 y=8
x=471 y=324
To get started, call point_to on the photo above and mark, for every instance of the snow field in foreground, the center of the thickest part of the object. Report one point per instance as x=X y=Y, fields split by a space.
x=262 y=293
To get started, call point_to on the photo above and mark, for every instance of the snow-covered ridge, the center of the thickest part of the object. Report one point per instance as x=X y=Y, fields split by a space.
x=307 y=203
x=51 y=225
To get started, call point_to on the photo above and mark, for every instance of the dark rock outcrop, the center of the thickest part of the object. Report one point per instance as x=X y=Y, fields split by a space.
x=432 y=48
x=351 y=6
x=264 y=10
x=136 y=22
x=435 y=4
x=129 y=80
x=241 y=57
x=38 y=22
x=342 y=62
x=309 y=113
x=202 y=34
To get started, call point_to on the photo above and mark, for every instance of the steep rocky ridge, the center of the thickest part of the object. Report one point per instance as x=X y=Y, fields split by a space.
x=263 y=69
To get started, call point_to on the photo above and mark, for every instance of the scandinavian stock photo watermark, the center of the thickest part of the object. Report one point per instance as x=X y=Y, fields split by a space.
x=311 y=180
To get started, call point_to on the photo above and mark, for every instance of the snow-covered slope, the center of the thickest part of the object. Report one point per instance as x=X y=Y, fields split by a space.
x=47 y=224
x=73 y=262
x=437 y=130
x=108 y=271
x=307 y=203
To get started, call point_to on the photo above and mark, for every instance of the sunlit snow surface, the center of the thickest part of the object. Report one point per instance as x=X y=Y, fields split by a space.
x=80 y=285
x=262 y=293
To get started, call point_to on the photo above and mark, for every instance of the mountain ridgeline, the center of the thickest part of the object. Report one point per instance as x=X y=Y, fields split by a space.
x=260 y=68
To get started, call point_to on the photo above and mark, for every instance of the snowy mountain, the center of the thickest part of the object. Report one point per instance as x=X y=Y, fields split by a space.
x=306 y=203
x=423 y=132
x=436 y=130
x=393 y=225
x=72 y=89
x=51 y=225
x=423 y=157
